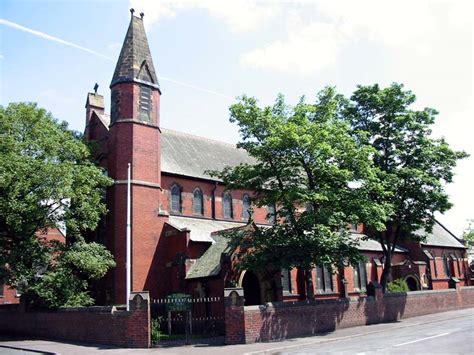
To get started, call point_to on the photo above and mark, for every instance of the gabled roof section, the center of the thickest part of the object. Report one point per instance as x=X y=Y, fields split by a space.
x=209 y=264
x=366 y=244
x=103 y=118
x=440 y=237
x=200 y=229
x=188 y=155
x=135 y=63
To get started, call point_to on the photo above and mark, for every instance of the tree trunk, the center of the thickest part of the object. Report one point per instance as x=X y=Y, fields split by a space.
x=387 y=271
x=309 y=285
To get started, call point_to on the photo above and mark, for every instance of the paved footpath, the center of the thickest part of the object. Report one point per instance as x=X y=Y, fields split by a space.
x=433 y=333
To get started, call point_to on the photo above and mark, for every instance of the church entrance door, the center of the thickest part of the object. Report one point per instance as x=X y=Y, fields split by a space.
x=251 y=286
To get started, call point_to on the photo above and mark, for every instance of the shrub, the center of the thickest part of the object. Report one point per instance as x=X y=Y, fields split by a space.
x=155 y=331
x=398 y=285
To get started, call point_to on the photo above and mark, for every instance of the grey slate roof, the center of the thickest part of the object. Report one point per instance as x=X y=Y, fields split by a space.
x=104 y=118
x=135 y=62
x=201 y=229
x=189 y=155
x=372 y=245
x=440 y=237
x=209 y=264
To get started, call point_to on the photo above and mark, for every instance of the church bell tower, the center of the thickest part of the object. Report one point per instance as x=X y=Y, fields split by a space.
x=134 y=138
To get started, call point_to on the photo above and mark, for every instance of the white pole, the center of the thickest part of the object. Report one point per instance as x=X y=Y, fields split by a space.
x=129 y=227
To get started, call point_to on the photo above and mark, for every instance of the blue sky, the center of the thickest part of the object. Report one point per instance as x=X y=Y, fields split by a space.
x=207 y=52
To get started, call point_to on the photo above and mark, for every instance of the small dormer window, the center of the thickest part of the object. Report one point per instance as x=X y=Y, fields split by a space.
x=145 y=103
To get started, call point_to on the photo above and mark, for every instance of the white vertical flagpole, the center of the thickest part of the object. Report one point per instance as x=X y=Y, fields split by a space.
x=129 y=227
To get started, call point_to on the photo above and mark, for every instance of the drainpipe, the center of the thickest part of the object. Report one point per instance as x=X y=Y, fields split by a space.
x=213 y=209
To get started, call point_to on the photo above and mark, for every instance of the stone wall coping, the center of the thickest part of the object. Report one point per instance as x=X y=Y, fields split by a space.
x=275 y=305
x=467 y=287
x=90 y=309
x=144 y=295
x=238 y=290
x=280 y=305
x=419 y=293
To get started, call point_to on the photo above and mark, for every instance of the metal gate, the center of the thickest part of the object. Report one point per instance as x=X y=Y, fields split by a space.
x=187 y=320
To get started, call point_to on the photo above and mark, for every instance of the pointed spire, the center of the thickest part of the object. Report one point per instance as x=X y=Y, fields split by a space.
x=135 y=63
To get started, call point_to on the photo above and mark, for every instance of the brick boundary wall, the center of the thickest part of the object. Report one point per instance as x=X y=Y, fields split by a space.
x=282 y=320
x=94 y=325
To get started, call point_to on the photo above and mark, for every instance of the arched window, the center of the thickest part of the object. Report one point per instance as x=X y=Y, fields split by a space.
x=323 y=279
x=271 y=214
x=360 y=276
x=245 y=207
x=176 y=198
x=227 y=203
x=447 y=269
x=197 y=201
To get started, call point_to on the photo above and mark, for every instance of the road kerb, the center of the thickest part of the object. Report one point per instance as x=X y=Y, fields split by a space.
x=322 y=341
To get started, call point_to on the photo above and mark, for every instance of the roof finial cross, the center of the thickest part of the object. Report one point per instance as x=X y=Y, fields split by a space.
x=132 y=10
x=96 y=86
x=141 y=15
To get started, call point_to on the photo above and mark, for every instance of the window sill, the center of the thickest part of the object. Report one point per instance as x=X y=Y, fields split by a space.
x=325 y=293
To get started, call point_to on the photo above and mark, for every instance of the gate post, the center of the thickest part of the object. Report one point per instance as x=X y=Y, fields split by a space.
x=138 y=329
x=234 y=316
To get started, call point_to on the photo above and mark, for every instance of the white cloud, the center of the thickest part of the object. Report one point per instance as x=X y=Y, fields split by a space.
x=1 y=56
x=239 y=15
x=326 y=28
x=392 y=22
x=309 y=49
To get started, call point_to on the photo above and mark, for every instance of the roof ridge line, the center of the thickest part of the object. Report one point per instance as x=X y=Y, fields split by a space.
x=234 y=145
x=447 y=230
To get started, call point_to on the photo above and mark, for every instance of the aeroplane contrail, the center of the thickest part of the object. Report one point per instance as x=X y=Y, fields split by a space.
x=91 y=51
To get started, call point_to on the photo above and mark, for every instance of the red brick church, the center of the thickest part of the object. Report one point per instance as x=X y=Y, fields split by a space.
x=176 y=208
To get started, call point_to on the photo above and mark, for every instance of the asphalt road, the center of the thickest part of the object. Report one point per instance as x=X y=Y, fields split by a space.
x=442 y=333
x=455 y=336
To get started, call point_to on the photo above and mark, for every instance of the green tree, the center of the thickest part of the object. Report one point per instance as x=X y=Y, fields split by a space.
x=413 y=166
x=305 y=161
x=468 y=234
x=47 y=179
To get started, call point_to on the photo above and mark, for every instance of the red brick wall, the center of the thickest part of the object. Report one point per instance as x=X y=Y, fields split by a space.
x=286 y=320
x=8 y=295
x=95 y=325
x=138 y=143
x=188 y=185
x=373 y=274
x=97 y=132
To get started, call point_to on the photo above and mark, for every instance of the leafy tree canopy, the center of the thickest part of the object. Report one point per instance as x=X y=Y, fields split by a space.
x=313 y=171
x=47 y=179
x=413 y=166
x=468 y=234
